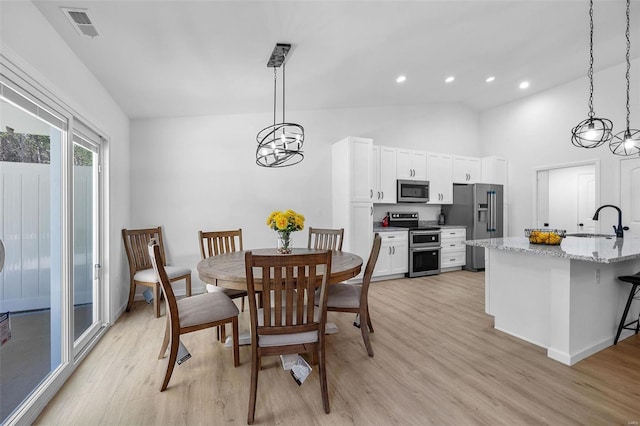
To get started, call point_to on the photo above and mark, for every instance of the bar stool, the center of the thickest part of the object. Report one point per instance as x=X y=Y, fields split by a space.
x=633 y=294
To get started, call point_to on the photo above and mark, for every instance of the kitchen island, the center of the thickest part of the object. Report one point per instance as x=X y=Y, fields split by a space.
x=565 y=298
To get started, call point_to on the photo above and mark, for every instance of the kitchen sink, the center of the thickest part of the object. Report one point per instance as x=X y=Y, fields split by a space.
x=588 y=235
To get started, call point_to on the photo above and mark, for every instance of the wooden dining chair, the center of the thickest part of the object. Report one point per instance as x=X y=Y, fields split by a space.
x=190 y=314
x=288 y=321
x=214 y=243
x=140 y=270
x=354 y=298
x=325 y=239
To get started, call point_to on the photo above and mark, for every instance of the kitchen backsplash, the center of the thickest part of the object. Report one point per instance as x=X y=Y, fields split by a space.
x=425 y=212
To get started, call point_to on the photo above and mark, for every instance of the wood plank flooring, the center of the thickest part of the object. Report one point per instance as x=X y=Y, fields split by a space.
x=438 y=360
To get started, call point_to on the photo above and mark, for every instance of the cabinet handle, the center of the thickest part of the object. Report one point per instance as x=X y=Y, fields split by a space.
x=371 y=193
x=371 y=210
x=394 y=249
x=383 y=195
x=389 y=250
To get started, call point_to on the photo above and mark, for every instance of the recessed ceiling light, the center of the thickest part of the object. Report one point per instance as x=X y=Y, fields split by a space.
x=524 y=84
x=401 y=78
x=449 y=79
x=490 y=79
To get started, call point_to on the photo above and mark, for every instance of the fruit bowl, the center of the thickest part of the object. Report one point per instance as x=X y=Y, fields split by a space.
x=550 y=237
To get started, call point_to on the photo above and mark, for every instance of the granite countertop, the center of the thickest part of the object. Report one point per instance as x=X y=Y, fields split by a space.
x=599 y=250
x=389 y=229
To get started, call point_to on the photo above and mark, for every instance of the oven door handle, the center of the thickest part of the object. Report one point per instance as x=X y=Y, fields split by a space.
x=426 y=248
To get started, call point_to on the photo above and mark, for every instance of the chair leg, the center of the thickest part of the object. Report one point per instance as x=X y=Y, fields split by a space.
x=324 y=388
x=365 y=332
x=165 y=341
x=236 y=344
x=242 y=304
x=132 y=293
x=369 y=321
x=254 y=384
x=173 y=356
x=223 y=333
x=624 y=315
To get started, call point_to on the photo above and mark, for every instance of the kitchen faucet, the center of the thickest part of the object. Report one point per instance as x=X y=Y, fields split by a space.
x=619 y=230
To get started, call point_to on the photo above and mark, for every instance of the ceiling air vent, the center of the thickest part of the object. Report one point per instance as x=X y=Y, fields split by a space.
x=81 y=21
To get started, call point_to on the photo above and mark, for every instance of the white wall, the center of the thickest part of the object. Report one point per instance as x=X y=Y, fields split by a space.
x=197 y=173
x=41 y=53
x=536 y=132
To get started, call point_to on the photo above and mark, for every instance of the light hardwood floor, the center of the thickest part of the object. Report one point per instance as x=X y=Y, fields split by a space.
x=438 y=361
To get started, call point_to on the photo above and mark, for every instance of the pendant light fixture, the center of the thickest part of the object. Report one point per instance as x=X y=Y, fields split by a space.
x=280 y=144
x=627 y=142
x=592 y=132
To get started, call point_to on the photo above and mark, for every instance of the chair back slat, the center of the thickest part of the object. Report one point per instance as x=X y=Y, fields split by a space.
x=215 y=243
x=136 y=243
x=288 y=283
x=325 y=239
x=155 y=257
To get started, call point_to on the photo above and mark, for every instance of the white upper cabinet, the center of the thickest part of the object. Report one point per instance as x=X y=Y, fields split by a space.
x=440 y=177
x=412 y=165
x=351 y=165
x=384 y=174
x=494 y=170
x=466 y=169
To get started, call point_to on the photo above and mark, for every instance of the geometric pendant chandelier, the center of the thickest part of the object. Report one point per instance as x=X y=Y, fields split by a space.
x=279 y=144
x=592 y=132
x=627 y=142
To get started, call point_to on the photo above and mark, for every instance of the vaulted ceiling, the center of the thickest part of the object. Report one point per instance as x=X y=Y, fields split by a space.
x=178 y=58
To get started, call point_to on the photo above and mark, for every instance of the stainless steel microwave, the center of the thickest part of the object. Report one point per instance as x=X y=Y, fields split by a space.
x=413 y=191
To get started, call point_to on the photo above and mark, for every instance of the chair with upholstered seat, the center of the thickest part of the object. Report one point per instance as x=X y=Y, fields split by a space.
x=325 y=239
x=354 y=298
x=634 y=325
x=190 y=314
x=140 y=270
x=288 y=321
x=214 y=243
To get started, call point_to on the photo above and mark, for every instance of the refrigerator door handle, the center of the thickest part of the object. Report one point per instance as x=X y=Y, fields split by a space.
x=492 y=211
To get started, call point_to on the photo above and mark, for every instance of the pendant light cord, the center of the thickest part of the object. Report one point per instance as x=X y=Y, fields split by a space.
x=628 y=64
x=590 y=73
x=275 y=78
x=284 y=65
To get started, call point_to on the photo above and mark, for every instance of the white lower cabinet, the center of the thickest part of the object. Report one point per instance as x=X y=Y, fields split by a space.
x=453 y=255
x=394 y=254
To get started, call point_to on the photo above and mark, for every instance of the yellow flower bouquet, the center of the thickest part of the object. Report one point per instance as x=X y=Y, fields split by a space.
x=284 y=223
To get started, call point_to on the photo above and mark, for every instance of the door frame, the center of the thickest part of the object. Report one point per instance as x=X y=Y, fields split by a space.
x=536 y=170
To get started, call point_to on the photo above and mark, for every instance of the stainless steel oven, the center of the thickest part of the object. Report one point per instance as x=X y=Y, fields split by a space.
x=424 y=244
x=424 y=252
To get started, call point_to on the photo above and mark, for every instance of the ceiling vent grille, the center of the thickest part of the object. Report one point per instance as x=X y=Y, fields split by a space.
x=81 y=21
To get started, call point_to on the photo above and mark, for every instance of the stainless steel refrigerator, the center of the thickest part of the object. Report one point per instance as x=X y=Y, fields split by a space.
x=478 y=207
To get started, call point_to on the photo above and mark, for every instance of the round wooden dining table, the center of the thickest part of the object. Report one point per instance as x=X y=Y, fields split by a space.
x=228 y=269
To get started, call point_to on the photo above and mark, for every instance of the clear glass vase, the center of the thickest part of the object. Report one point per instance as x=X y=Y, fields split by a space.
x=284 y=242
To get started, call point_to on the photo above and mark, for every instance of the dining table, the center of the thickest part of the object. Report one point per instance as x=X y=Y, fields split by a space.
x=228 y=270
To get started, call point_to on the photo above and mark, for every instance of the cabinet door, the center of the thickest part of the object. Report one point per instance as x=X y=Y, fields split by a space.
x=400 y=260
x=466 y=169
x=375 y=174
x=419 y=164
x=360 y=153
x=440 y=177
x=361 y=238
x=383 y=264
x=494 y=170
x=387 y=175
x=403 y=162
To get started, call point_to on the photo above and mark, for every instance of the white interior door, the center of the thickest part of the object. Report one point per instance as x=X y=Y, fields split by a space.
x=630 y=193
x=586 y=202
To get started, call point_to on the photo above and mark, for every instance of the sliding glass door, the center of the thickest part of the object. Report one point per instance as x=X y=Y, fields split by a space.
x=51 y=295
